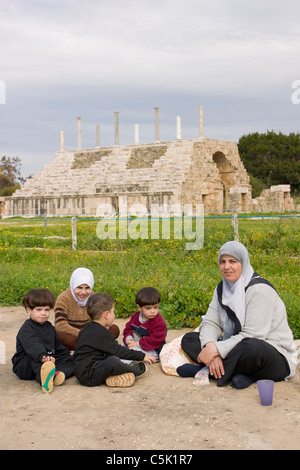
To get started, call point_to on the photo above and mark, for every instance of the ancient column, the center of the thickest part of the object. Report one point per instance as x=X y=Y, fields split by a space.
x=62 y=141
x=79 y=132
x=156 y=124
x=97 y=135
x=201 y=121
x=117 y=141
x=136 y=134
x=178 y=128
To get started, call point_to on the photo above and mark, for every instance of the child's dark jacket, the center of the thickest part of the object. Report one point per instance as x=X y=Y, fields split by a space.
x=96 y=343
x=37 y=340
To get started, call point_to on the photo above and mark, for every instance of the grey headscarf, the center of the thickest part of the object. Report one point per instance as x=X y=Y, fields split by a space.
x=234 y=292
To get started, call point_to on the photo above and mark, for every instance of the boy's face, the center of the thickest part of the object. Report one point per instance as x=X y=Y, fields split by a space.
x=111 y=316
x=148 y=311
x=39 y=314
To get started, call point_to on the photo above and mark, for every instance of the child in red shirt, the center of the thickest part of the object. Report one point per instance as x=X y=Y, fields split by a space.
x=146 y=330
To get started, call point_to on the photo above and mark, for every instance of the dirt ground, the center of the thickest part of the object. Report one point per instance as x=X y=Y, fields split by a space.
x=158 y=412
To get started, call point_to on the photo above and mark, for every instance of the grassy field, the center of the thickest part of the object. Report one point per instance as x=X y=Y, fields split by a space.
x=33 y=257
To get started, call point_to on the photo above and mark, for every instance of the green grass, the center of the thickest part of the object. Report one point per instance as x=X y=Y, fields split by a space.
x=34 y=257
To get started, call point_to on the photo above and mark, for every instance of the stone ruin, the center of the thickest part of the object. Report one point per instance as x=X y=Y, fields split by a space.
x=278 y=198
x=196 y=171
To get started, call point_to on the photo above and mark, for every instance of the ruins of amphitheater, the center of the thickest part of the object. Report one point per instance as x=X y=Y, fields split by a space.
x=195 y=171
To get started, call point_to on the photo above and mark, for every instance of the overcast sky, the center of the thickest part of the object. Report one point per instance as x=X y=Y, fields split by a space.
x=60 y=59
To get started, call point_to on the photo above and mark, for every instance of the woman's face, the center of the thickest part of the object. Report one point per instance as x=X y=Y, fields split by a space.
x=82 y=292
x=230 y=268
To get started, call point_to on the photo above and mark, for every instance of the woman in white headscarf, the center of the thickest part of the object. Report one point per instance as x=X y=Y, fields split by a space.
x=70 y=308
x=244 y=335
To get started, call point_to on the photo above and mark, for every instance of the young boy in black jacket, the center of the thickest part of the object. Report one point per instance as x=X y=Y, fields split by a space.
x=39 y=353
x=97 y=358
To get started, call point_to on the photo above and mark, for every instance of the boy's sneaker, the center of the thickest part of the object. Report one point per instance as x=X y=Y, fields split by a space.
x=47 y=374
x=139 y=369
x=122 y=380
x=59 y=378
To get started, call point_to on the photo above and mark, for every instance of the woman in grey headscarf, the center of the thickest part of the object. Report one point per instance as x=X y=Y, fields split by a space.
x=244 y=335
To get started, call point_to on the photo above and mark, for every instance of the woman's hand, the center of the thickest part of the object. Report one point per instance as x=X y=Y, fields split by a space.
x=208 y=353
x=216 y=367
x=210 y=356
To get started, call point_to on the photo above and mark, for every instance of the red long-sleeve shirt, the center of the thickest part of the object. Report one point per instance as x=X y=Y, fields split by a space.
x=151 y=333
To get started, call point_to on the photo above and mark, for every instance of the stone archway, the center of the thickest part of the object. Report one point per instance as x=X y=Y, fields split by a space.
x=227 y=173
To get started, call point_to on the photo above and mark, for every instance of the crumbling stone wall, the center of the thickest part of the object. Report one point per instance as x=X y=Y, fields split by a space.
x=276 y=198
x=197 y=171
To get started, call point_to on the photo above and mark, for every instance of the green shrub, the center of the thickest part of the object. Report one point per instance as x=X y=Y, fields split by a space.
x=30 y=259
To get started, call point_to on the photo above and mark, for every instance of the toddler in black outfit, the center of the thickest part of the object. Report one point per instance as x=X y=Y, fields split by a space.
x=39 y=353
x=97 y=358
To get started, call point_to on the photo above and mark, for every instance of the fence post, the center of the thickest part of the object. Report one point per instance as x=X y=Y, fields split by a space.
x=235 y=222
x=74 y=234
x=2 y=352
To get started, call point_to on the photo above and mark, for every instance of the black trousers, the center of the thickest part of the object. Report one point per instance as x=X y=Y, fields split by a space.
x=101 y=370
x=28 y=369
x=251 y=356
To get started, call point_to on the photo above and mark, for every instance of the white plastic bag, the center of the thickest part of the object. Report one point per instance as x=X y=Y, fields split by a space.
x=173 y=356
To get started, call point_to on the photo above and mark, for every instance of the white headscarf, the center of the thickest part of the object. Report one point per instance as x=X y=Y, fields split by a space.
x=81 y=276
x=234 y=292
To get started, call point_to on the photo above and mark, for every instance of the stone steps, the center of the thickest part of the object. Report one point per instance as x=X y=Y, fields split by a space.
x=110 y=173
x=178 y=172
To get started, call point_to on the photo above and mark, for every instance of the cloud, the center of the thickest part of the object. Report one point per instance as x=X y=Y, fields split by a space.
x=166 y=44
x=64 y=58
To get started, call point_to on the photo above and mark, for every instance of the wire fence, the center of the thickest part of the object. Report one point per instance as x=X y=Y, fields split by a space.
x=75 y=220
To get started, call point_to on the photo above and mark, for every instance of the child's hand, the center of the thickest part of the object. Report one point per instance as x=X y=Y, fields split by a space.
x=149 y=359
x=131 y=344
x=48 y=358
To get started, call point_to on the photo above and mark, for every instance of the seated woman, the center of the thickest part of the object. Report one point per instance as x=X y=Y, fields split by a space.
x=70 y=308
x=244 y=335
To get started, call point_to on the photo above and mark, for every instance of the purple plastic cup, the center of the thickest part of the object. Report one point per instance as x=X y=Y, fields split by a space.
x=265 y=388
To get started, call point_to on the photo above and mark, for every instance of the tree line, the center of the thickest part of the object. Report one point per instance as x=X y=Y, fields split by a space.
x=271 y=159
x=10 y=175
